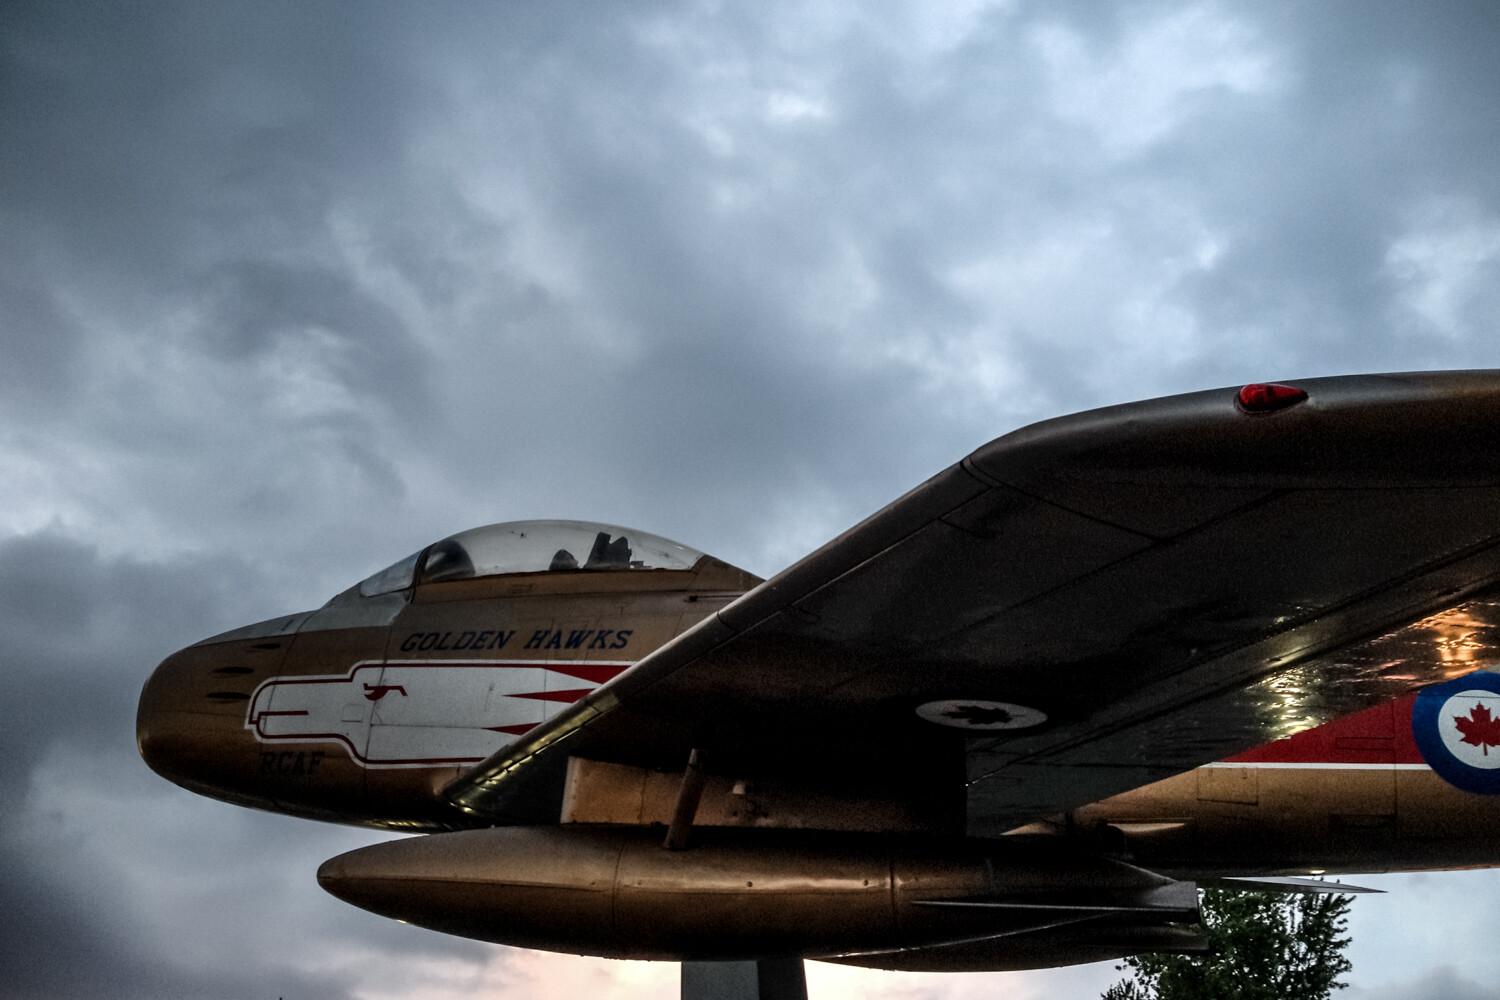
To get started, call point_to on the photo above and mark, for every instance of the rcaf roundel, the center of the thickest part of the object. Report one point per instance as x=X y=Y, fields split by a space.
x=1457 y=729
x=974 y=713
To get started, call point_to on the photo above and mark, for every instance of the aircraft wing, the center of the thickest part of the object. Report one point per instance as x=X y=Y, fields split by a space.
x=1156 y=586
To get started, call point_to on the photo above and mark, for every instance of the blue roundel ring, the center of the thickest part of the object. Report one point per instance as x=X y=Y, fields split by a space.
x=1430 y=721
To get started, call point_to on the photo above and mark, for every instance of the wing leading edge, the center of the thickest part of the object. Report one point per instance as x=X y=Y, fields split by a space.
x=1167 y=582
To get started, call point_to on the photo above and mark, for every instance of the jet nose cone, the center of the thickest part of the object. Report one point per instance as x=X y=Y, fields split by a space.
x=159 y=714
x=190 y=721
x=189 y=714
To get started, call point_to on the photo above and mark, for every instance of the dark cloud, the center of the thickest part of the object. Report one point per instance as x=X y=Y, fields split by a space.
x=95 y=862
x=255 y=303
x=144 y=137
x=75 y=653
x=61 y=943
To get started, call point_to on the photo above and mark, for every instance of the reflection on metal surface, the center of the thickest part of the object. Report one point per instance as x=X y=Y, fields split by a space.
x=1289 y=701
x=1448 y=644
x=1461 y=637
x=271 y=627
x=1317 y=688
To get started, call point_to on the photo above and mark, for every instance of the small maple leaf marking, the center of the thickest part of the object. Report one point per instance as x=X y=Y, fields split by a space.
x=1480 y=729
x=978 y=715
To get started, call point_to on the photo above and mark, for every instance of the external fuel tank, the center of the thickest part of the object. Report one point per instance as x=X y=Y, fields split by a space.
x=615 y=891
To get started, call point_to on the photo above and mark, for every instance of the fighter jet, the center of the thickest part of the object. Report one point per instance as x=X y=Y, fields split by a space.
x=1015 y=719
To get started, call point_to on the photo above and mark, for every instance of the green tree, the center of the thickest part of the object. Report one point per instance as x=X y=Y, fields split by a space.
x=1262 y=946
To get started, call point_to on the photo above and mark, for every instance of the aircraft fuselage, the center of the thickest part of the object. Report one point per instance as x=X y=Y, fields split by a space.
x=362 y=711
x=446 y=695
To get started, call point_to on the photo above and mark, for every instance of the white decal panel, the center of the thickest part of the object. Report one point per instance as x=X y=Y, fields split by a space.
x=421 y=713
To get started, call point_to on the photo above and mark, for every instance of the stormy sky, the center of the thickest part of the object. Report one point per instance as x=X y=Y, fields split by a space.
x=290 y=289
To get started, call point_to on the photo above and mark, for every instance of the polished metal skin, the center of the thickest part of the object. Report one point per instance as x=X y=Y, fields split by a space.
x=362 y=711
x=1354 y=795
x=614 y=891
x=1009 y=721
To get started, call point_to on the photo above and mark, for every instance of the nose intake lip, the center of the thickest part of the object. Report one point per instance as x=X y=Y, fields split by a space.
x=150 y=728
x=190 y=720
x=167 y=729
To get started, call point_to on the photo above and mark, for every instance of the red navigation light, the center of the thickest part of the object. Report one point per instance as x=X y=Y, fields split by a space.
x=1267 y=397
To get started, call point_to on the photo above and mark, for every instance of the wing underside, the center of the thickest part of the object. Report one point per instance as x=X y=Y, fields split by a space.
x=1167 y=583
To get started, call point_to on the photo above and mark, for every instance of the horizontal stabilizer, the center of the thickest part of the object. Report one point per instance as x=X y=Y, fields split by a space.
x=1290 y=884
x=1172 y=900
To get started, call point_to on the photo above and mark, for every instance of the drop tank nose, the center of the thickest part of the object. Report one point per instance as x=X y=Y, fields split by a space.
x=617 y=892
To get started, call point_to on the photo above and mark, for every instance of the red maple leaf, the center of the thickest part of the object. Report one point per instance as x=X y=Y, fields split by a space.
x=1479 y=728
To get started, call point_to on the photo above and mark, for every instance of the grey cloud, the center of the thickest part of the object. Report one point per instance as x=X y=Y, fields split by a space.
x=78 y=635
x=74 y=655
x=257 y=302
x=1379 y=111
x=149 y=130
x=40 y=344
x=317 y=284
x=178 y=157
x=60 y=944
x=1442 y=983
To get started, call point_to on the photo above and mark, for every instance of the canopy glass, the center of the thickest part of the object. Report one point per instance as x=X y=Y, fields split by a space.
x=532 y=547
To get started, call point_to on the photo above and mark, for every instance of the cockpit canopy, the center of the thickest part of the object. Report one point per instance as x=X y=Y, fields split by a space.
x=532 y=547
